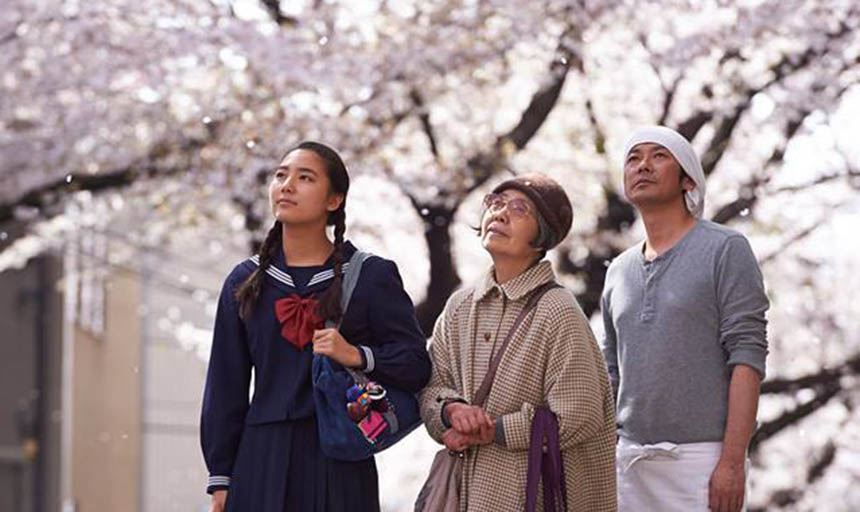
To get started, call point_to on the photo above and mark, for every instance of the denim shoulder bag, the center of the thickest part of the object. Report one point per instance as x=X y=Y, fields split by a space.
x=357 y=417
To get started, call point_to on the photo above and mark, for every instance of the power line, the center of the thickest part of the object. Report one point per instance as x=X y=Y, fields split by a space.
x=151 y=275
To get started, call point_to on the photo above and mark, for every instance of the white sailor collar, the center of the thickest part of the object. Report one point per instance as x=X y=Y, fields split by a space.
x=278 y=270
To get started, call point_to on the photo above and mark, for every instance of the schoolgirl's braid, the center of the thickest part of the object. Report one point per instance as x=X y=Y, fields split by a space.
x=248 y=292
x=329 y=306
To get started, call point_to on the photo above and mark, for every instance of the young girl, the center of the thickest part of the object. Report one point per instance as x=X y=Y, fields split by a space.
x=552 y=361
x=265 y=456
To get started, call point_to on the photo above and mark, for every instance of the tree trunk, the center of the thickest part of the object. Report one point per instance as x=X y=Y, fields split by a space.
x=443 y=274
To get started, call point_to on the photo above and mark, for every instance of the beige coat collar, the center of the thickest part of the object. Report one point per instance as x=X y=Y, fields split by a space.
x=517 y=287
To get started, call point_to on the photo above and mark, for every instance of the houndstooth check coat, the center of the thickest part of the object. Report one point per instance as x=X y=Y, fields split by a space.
x=552 y=360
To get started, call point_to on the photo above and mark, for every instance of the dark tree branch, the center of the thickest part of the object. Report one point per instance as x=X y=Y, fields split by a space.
x=482 y=166
x=791 y=241
x=424 y=116
x=375 y=92
x=540 y=106
x=824 y=460
x=145 y=167
x=38 y=198
x=827 y=383
x=786 y=66
x=599 y=134
x=668 y=90
x=723 y=135
x=668 y=99
x=691 y=126
x=791 y=495
x=41 y=197
x=273 y=7
x=827 y=178
x=546 y=97
x=485 y=164
x=748 y=195
x=770 y=428
x=592 y=270
x=11 y=36
x=390 y=122
x=825 y=377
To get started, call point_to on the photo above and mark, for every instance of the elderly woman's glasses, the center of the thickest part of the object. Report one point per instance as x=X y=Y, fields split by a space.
x=516 y=206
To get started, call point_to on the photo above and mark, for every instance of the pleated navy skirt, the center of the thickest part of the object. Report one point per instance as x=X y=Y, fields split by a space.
x=281 y=468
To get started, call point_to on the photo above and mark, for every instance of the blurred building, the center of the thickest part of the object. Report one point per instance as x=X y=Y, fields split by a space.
x=103 y=358
x=30 y=362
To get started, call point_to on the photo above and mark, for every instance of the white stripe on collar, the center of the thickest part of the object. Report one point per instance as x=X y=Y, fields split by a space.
x=322 y=276
x=274 y=270
x=287 y=279
x=276 y=273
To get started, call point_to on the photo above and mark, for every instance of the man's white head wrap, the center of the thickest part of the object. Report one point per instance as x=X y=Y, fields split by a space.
x=683 y=153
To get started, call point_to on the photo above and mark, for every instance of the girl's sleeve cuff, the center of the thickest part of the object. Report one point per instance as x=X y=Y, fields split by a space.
x=217 y=483
x=367 y=358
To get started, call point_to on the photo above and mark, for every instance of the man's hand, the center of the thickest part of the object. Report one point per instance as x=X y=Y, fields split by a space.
x=468 y=419
x=219 y=499
x=726 y=488
x=329 y=342
x=728 y=481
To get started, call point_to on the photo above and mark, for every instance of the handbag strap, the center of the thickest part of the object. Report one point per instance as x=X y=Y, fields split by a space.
x=544 y=462
x=486 y=384
x=350 y=279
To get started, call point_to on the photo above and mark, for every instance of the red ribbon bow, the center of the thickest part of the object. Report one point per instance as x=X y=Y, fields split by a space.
x=298 y=318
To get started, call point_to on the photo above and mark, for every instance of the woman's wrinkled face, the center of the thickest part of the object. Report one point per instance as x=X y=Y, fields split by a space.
x=300 y=190
x=509 y=225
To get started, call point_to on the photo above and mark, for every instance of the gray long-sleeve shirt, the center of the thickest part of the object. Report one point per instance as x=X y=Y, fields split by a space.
x=675 y=328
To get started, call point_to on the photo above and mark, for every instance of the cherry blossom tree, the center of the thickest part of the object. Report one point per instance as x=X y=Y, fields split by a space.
x=168 y=111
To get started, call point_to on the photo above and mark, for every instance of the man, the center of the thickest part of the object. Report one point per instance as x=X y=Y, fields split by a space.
x=685 y=344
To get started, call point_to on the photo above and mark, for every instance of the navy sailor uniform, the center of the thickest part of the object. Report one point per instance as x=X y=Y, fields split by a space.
x=266 y=451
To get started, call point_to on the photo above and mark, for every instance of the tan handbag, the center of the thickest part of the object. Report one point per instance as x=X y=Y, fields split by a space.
x=441 y=491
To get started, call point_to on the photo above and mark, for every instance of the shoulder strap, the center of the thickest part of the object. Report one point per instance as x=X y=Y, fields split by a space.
x=350 y=279
x=486 y=384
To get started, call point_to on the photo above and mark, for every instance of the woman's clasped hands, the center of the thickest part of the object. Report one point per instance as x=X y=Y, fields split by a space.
x=470 y=425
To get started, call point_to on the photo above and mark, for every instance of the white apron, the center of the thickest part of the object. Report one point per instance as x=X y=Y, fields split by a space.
x=666 y=477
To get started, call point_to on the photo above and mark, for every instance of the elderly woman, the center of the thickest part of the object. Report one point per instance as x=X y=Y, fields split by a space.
x=551 y=361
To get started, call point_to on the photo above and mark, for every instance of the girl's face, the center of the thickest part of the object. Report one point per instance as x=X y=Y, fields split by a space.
x=300 y=190
x=509 y=225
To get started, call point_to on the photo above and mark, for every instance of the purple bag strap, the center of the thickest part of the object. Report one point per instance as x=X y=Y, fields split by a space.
x=545 y=461
x=484 y=389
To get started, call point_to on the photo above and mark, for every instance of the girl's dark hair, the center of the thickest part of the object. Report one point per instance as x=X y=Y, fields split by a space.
x=329 y=307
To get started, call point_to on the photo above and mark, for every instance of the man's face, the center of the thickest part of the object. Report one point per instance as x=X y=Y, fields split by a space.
x=653 y=177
